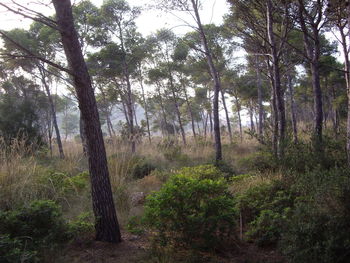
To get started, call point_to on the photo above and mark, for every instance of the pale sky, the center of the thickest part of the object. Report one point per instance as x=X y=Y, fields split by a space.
x=148 y=22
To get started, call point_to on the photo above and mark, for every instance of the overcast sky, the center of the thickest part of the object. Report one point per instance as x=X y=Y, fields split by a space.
x=148 y=22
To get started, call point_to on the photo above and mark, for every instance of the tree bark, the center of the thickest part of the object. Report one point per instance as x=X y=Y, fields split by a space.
x=312 y=47
x=260 y=101
x=293 y=110
x=216 y=80
x=53 y=112
x=281 y=118
x=227 y=115
x=106 y=225
x=145 y=105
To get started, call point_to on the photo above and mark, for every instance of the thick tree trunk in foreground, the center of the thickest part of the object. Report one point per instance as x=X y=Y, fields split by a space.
x=216 y=80
x=106 y=225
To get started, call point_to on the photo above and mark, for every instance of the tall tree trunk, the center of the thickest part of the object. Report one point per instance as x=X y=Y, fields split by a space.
x=216 y=80
x=346 y=50
x=252 y=126
x=83 y=135
x=106 y=225
x=312 y=47
x=145 y=105
x=178 y=114
x=190 y=111
x=260 y=101
x=53 y=112
x=129 y=102
x=163 y=109
x=293 y=109
x=227 y=115
x=238 y=107
x=281 y=118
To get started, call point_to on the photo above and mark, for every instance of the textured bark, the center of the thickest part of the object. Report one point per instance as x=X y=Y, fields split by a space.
x=190 y=111
x=312 y=48
x=145 y=105
x=281 y=118
x=129 y=101
x=53 y=113
x=260 y=101
x=227 y=115
x=176 y=104
x=106 y=225
x=293 y=114
x=216 y=80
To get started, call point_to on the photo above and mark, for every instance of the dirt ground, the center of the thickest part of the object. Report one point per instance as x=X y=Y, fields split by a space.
x=136 y=249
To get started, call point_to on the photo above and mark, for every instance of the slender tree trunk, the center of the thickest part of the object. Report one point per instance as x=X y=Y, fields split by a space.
x=217 y=84
x=129 y=102
x=106 y=225
x=178 y=114
x=252 y=126
x=238 y=107
x=145 y=105
x=346 y=51
x=260 y=101
x=227 y=115
x=293 y=109
x=312 y=46
x=190 y=111
x=163 y=109
x=281 y=118
x=53 y=112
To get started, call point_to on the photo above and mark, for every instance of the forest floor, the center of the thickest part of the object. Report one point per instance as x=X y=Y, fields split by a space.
x=136 y=248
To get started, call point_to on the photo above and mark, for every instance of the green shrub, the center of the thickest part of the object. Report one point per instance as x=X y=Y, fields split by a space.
x=318 y=229
x=142 y=167
x=259 y=161
x=194 y=209
x=264 y=208
x=80 y=226
x=62 y=184
x=31 y=229
x=135 y=225
x=315 y=236
x=13 y=250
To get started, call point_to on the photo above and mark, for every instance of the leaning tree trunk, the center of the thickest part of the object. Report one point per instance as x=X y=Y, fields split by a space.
x=216 y=80
x=106 y=225
x=53 y=113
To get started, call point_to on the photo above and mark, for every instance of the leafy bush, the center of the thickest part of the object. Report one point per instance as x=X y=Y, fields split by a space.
x=258 y=161
x=194 y=209
x=135 y=225
x=142 y=167
x=13 y=250
x=81 y=225
x=318 y=229
x=265 y=208
x=31 y=229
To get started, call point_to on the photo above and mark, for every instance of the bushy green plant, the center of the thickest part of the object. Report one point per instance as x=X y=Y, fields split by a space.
x=80 y=226
x=318 y=229
x=142 y=167
x=135 y=225
x=264 y=208
x=194 y=209
x=261 y=161
x=13 y=250
x=31 y=229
